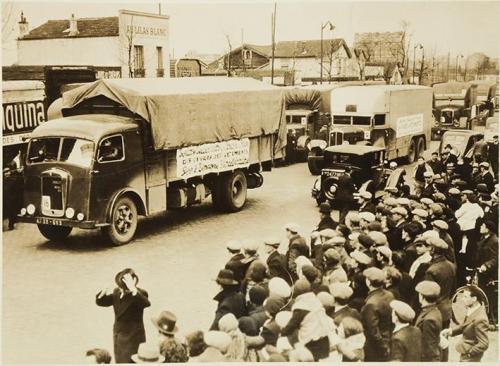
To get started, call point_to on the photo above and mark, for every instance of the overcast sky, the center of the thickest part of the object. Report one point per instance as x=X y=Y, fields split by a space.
x=459 y=27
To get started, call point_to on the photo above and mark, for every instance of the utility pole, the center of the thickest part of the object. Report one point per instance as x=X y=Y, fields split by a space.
x=448 y=68
x=273 y=26
x=456 y=67
x=159 y=8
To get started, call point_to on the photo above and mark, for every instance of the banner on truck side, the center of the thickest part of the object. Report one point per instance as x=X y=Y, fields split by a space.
x=410 y=125
x=213 y=158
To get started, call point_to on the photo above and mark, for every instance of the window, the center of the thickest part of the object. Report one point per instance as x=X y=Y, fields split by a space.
x=379 y=119
x=139 y=57
x=361 y=121
x=73 y=151
x=111 y=149
x=159 y=55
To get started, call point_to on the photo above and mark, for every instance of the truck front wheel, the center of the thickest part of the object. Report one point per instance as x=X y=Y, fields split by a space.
x=233 y=191
x=123 y=221
x=412 y=151
x=55 y=233
x=421 y=147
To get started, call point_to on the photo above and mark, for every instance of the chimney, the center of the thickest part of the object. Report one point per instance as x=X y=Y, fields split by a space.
x=73 y=27
x=23 y=26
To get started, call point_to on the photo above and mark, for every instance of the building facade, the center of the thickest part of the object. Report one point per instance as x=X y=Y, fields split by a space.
x=132 y=44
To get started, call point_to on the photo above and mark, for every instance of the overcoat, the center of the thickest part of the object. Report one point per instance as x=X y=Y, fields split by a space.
x=474 y=332
x=430 y=323
x=406 y=344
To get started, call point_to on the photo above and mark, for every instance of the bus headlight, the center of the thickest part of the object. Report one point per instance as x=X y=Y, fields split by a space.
x=70 y=213
x=23 y=211
x=80 y=216
x=31 y=209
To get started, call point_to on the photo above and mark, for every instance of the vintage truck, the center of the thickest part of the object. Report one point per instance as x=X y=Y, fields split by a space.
x=397 y=118
x=129 y=147
x=455 y=106
x=486 y=93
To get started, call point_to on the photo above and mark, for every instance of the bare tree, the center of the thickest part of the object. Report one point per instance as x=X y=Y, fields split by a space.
x=228 y=64
x=359 y=55
x=330 y=57
x=401 y=49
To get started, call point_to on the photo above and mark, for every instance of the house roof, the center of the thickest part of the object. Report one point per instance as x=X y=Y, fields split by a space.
x=87 y=27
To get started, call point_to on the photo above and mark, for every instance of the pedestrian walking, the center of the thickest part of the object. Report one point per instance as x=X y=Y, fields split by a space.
x=128 y=303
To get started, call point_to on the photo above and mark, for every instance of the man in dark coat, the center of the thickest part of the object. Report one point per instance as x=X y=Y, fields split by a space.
x=345 y=194
x=399 y=217
x=235 y=263
x=376 y=316
x=326 y=221
x=436 y=164
x=297 y=246
x=486 y=176
x=230 y=299
x=128 y=303
x=443 y=272
x=365 y=202
x=429 y=321
x=406 y=340
x=342 y=293
x=487 y=262
x=493 y=155
x=276 y=262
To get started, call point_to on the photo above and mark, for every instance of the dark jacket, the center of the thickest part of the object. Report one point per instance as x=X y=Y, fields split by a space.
x=277 y=266
x=347 y=311
x=406 y=344
x=236 y=265
x=443 y=272
x=296 y=248
x=346 y=189
x=488 y=179
x=368 y=207
x=474 y=332
x=128 y=329
x=270 y=332
x=229 y=301
x=376 y=315
x=487 y=255
x=430 y=323
x=327 y=223
x=437 y=166
x=258 y=314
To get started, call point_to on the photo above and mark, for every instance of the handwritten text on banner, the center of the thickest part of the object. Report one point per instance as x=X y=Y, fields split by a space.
x=409 y=125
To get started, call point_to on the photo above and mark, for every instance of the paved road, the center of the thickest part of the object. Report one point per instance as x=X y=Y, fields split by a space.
x=49 y=315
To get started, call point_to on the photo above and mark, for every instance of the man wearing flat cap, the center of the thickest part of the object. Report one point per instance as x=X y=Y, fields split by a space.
x=429 y=320
x=418 y=174
x=376 y=316
x=276 y=262
x=128 y=303
x=493 y=155
x=395 y=234
x=297 y=246
x=365 y=202
x=342 y=292
x=486 y=176
x=487 y=261
x=436 y=164
x=326 y=220
x=429 y=187
x=406 y=340
x=235 y=263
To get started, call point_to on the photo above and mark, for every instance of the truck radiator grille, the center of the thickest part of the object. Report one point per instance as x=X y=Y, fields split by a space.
x=52 y=187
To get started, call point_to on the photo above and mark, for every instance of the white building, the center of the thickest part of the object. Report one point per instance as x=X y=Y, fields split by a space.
x=132 y=44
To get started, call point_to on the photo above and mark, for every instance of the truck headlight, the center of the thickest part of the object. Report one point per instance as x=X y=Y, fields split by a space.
x=31 y=209
x=70 y=213
x=333 y=188
x=80 y=216
x=23 y=211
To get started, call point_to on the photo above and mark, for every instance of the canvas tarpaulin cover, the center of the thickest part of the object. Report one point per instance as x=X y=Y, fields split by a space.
x=302 y=97
x=192 y=111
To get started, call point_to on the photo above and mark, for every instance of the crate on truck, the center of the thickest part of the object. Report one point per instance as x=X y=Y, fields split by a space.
x=397 y=118
x=129 y=147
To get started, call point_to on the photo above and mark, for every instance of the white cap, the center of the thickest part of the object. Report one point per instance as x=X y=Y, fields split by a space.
x=293 y=227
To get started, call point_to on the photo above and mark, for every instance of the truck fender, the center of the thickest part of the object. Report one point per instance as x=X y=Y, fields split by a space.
x=133 y=194
x=320 y=144
x=302 y=142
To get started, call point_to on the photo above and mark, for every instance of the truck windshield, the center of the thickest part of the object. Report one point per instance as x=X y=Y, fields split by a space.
x=69 y=150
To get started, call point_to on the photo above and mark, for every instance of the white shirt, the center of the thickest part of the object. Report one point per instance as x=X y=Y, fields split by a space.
x=424 y=258
x=467 y=215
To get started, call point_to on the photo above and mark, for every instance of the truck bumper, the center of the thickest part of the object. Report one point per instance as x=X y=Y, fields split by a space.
x=57 y=221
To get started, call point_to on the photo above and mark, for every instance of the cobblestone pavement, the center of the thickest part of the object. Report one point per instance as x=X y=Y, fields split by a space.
x=49 y=314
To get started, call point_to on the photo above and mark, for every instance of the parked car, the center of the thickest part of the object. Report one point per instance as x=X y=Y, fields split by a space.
x=461 y=141
x=366 y=163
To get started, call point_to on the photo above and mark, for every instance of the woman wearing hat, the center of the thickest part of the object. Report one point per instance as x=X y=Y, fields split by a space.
x=229 y=299
x=128 y=303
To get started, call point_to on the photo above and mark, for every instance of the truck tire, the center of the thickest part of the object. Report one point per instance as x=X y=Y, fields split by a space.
x=312 y=164
x=233 y=189
x=412 y=152
x=420 y=147
x=123 y=221
x=53 y=232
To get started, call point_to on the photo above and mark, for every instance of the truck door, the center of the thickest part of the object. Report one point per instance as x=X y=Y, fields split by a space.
x=156 y=180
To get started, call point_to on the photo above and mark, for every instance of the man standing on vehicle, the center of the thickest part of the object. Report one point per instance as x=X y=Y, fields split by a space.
x=345 y=194
x=486 y=176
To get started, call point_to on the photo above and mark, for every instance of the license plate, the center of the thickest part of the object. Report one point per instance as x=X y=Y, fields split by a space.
x=332 y=173
x=46 y=221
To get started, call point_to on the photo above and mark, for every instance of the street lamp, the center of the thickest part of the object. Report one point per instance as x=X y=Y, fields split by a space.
x=456 y=66
x=414 y=48
x=323 y=26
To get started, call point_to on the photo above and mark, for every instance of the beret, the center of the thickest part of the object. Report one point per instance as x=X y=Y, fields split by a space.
x=341 y=290
x=375 y=226
x=327 y=233
x=332 y=254
x=274 y=242
x=437 y=242
x=384 y=250
x=374 y=274
x=233 y=245
x=420 y=212
x=440 y=224
x=403 y=201
x=400 y=210
x=366 y=194
x=426 y=201
x=360 y=257
x=428 y=288
x=367 y=216
x=403 y=310
x=325 y=299
x=453 y=191
x=378 y=237
x=294 y=228
x=279 y=287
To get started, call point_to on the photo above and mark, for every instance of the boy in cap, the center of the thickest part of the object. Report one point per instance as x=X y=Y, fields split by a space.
x=429 y=321
x=365 y=202
x=406 y=340
x=276 y=262
x=235 y=263
x=342 y=292
x=486 y=176
x=376 y=316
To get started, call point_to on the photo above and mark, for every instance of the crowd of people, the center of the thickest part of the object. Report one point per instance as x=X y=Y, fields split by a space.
x=381 y=285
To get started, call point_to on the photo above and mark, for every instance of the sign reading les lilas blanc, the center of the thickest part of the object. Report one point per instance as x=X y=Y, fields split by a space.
x=212 y=158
